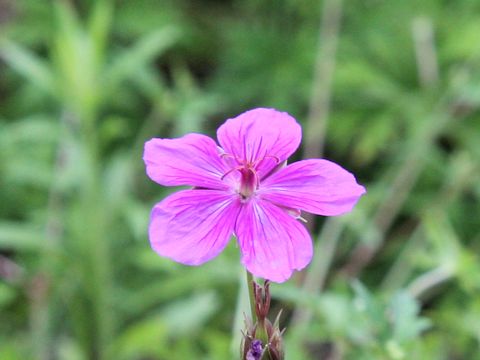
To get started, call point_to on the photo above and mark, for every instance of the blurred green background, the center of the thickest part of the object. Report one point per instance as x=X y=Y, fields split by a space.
x=388 y=89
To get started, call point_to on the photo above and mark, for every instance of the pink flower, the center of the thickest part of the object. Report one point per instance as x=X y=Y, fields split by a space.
x=244 y=188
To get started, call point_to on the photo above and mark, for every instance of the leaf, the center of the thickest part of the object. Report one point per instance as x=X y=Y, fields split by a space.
x=403 y=312
x=296 y=295
x=146 y=337
x=442 y=237
x=7 y=294
x=75 y=61
x=29 y=65
x=179 y=319
x=144 y=51
x=69 y=349
x=18 y=236
x=187 y=316
x=99 y=26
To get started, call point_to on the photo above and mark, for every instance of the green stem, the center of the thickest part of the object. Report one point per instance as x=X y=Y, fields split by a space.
x=251 y=296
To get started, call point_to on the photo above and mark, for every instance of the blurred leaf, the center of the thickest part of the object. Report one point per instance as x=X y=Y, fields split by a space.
x=20 y=237
x=68 y=349
x=7 y=294
x=144 y=51
x=12 y=350
x=180 y=280
x=147 y=337
x=404 y=311
x=29 y=65
x=100 y=22
x=150 y=336
x=189 y=315
x=137 y=216
x=443 y=239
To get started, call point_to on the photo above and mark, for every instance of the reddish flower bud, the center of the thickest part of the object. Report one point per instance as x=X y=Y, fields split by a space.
x=262 y=340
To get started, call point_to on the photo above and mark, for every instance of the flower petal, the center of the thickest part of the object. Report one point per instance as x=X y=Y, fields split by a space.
x=317 y=186
x=193 y=226
x=262 y=136
x=273 y=243
x=193 y=159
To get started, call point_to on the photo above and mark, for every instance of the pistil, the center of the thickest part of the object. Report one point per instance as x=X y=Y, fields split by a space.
x=249 y=182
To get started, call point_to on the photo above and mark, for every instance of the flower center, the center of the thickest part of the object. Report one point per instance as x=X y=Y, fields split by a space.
x=249 y=179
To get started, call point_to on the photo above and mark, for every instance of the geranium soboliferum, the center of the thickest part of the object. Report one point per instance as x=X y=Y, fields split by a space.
x=244 y=188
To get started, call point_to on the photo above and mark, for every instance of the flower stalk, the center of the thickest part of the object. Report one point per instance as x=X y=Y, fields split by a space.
x=251 y=294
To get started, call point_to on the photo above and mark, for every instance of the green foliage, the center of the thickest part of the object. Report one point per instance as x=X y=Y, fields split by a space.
x=85 y=83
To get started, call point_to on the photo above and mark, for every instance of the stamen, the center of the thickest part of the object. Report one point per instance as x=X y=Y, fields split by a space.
x=277 y=159
x=230 y=156
x=231 y=170
x=257 y=179
x=302 y=219
x=297 y=214
x=258 y=162
x=249 y=163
